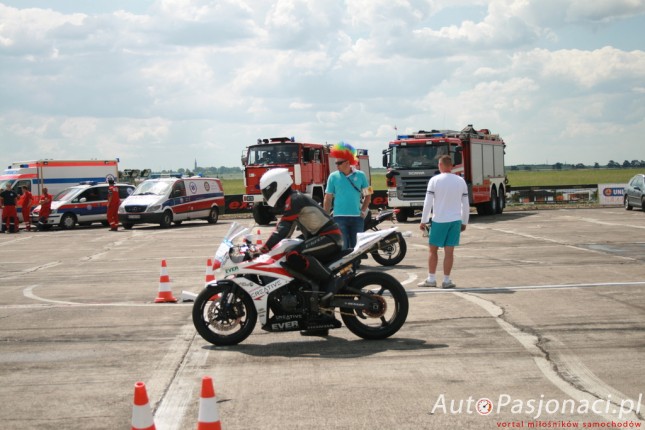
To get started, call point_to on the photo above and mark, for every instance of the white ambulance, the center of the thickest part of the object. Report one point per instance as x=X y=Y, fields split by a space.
x=165 y=201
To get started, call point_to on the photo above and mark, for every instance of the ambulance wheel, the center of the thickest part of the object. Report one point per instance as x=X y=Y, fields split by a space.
x=67 y=222
x=127 y=225
x=213 y=216
x=166 y=219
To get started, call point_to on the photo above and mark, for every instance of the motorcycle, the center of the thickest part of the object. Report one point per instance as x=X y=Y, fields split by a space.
x=373 y=305
x=391 y=250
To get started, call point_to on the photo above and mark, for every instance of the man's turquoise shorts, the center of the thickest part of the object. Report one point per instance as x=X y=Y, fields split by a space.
x=444 y=234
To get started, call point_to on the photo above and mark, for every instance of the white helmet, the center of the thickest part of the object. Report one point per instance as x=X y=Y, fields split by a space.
x=274 y=183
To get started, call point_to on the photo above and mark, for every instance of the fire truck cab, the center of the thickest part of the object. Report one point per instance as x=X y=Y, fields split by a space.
x=478 y=157
x=308 y=163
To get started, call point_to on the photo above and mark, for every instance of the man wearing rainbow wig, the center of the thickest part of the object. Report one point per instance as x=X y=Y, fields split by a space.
x=350 y=192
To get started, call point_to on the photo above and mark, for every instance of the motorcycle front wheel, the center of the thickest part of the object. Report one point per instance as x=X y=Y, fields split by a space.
x=383 y=320
x=223 y=315
x=391 y=254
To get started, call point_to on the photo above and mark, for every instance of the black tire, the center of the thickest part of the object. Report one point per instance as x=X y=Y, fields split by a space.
x=391 y=254
x=501 y=201
x=393 y=307
x=207 y=312
x=127 y=225
x=493 y=203
x=177 y=222
x=166 y=219
x=262 y=214
x=67 y=221
x=628 y=207
x=105 y=223
x=213 y=216
x=402 y=215
x=643 y=204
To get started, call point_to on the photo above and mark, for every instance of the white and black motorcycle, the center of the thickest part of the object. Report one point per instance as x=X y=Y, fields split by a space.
x=391 y=249
x=373 y=305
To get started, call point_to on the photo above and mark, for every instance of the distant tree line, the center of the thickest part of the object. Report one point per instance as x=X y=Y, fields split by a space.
x=565 y=166
x=206 y=171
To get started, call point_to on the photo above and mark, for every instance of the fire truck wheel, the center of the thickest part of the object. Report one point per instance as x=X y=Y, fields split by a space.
x=402 y=215
x=501 y=201
x=262 y=215
x=494 y=203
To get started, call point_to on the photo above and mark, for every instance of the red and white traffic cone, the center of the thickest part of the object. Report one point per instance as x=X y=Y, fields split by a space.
x=141 y=412
x=210 y=274
x=258 y=240
x=208 y=412
x=165 y=290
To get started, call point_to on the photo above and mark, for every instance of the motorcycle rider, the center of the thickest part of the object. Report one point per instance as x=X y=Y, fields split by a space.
x=322 y=236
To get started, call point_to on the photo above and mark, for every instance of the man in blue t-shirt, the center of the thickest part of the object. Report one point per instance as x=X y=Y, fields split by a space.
x=350 y=192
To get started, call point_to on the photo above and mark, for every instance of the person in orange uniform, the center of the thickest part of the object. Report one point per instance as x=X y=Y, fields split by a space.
x=26 y=207
x=8 y=199
x=45 y=208
x=113 y=205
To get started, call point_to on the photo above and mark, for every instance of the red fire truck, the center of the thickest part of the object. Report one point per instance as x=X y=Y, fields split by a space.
x=308 y=163
x=478 y=156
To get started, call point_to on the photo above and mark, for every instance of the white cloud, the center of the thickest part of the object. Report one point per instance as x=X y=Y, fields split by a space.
x=185 y=79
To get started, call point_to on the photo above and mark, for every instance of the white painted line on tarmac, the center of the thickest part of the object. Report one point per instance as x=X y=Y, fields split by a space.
x=529 y=287
x=189 y=358
x=529 y=342
x=411 y=278
x=28 y=292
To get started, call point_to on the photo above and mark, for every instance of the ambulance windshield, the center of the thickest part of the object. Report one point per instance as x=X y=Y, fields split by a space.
x=68 y=193
x=158 y=188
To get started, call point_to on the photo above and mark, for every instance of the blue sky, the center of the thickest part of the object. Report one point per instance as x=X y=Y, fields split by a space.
x=161 y=83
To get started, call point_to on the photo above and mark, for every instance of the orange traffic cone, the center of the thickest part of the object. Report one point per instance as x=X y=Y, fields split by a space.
x=210 y=275
x=141 y=412
x=258 y=240
x=208 y=413
x=165 y=291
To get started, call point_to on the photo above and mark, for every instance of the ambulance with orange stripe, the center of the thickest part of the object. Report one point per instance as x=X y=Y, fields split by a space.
x=55 y=175
x=167 y=201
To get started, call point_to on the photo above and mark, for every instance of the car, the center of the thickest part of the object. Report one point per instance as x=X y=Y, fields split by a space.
x=634 y=192
x=81 y=204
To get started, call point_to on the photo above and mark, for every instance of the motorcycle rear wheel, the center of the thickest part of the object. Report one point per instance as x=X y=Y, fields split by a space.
x=222 y=322
x=393 y=307
x=391 y=254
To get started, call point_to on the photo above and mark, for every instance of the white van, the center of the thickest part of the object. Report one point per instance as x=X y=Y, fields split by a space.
x=165 y=201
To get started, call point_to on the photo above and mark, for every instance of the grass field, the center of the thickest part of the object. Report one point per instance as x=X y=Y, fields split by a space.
x=517 y=178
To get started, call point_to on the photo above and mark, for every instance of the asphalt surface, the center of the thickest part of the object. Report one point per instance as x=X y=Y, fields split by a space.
x=545 y=329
